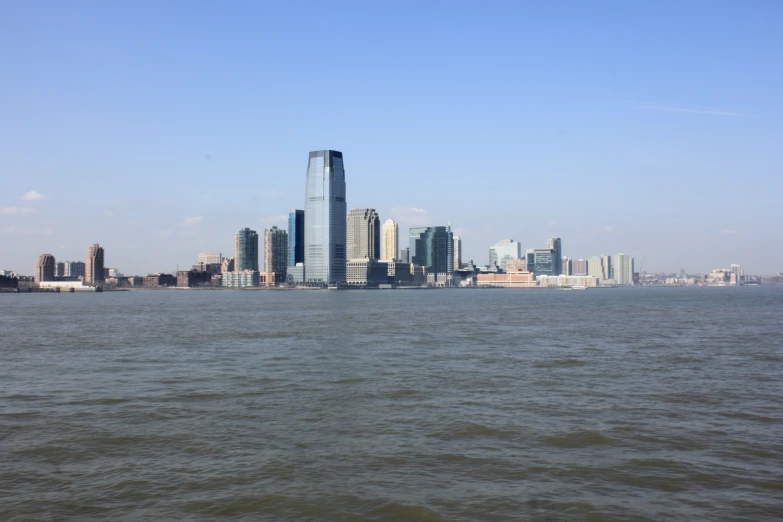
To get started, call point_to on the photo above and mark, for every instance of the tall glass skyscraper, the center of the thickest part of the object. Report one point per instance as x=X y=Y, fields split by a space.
x=325 y=218
x=556 y=245
x=296 y=225
x=246 y=250
x=433 y=248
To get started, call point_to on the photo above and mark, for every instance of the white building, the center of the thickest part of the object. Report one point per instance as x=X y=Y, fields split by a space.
x=390 y=240
x=503 y=250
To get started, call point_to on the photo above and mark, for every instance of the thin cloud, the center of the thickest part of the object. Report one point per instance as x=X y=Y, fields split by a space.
x=192 y=221
x=709 y=112
x=33 y=196
x=410 y=216
x=609 y=228
x=268 y=221
x=15 y=211
x=728 y=231
x=553 y=223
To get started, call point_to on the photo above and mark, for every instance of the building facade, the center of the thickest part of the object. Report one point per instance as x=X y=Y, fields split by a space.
x=578 y=267
x=556 y=246
x=502 y=251
x=363 y=234
x=432 y=248
x=325 y=219
x=296 y=244
x=623 y=270
x=45 y=267
x=275 y=255
x=93 y=266
x=246 y=250
x=390 y=242
x=457 y=252
x=567 y=281
x=541 y=261
x=510 y=279
x=240 y=279
x=210 y=258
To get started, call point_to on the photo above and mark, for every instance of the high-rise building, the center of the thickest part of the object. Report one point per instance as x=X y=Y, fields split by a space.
x=578 y=267
x=296 y=243
x=432 y=248
x=325 y=222
x=93 y=266
x=210 y=258
x=541 y=261
x=623 y=270
x=405 y=255
x=227 y=265
x=59 y=270
x=74 y=269
x=556 y=245
x=567 y=266
x=457 y=252
x=44 y=268
x=275 y=255
x=503 y=250
x=737 y=269
x=390 y=241
x=363 y=234
x=246 y=250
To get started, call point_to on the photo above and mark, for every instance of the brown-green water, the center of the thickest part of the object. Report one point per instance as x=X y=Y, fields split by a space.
x=637 y=404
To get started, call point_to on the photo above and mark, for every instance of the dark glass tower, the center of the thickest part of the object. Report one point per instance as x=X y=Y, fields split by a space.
x=555 y=245
x=433 y=248
x=246 y=250
x=325 y=219
x=296 y=246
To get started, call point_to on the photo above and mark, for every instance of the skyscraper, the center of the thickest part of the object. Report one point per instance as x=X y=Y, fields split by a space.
x=44 y=268
x=275 y=254
x=246 y=250
x=296 y=244
x=556 y=245
x=432 y=248
x=390 y=241
x=623 y=270
x=541 y=261
x=93 y=267
x=363 y=234
x=579 y=267
x=504 y=250
x=325 y=222
x=457 y=252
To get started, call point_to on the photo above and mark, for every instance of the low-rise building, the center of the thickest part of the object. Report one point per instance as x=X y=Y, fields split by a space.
x=193 y=278
x=567 y=281
x=366 y=272
x=243 y=279
x=509 y=279
x=159 y=281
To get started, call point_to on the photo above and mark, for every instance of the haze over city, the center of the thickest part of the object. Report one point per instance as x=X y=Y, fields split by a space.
x=159 y=130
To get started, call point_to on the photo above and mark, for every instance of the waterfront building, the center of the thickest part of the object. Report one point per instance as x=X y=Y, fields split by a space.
x=295 y=274
x=503 y=250
x=567 y=281
x=399 y=273
x=541 y=261
x=93 y=267
x=210 y=258
x=567 y=266
x=59 y=270
x=623 y=270
x=509 y=279
x=519 y=263
x=296 y=243
x=44 y=268
x=227 y=265
x=325 y=219
x=275 y=255
x=556 y=246
x=74 y=269
x=405 y=255
x=212 y=268
x=418 y=273
x=457 y=252
x=246 y=250
x=579 y=267
x=737 y=269
x=241 y=279
x=366 y=272
x=193 y=278
x=363 y=234
x=390 y=242
x=159 y=281
x=432 y=248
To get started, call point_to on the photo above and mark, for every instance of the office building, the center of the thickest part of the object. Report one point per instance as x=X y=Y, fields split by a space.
x=296 y=243
x=541 y=261
x=519 y=263
x=509 y=279
x=45 y=267
x=432 y=248
x=502 y=251
x=567 y=281
x=567 y=266
x=93 y=266
x=246 y=250
x=390 y=241
x=210 y=258
x=275 y=255
x=240 y=279
x=159 y=281
x=579 y=267
x=737 y=269
x=405 y=255
x=363 y=234
x=59 y=270
x=227 y=265
x=556 y=246
x=367 y=272
x=325 y=219
x=623 y=270
x=457 y=252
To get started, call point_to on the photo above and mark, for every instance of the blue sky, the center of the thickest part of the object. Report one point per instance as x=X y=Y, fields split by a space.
x=160 y=128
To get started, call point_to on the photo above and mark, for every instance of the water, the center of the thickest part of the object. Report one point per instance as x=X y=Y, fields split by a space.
x=621 y=404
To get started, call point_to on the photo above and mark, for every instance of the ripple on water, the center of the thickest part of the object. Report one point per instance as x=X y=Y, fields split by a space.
x=579 y=439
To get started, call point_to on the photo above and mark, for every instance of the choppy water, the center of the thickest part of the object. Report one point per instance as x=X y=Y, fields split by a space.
x=638 y=404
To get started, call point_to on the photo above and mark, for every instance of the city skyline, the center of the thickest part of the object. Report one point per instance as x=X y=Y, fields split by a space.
x=588 y=136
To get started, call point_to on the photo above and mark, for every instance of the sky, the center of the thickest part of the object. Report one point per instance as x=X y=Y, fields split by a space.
x=158 y=129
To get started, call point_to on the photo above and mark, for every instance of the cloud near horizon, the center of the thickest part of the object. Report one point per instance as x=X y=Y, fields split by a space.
x=191 y=221
x=33 y=196
x=15 y=211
